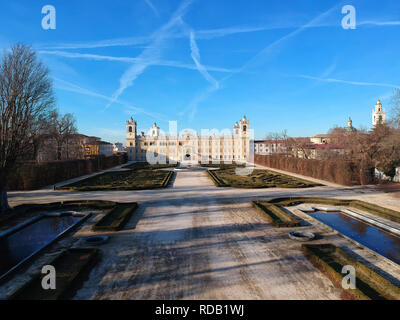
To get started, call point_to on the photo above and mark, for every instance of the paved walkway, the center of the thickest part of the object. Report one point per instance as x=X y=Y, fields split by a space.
x=196 y=241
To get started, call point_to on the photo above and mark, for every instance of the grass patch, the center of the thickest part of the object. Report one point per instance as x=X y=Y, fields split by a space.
x=277 y=216
x=140 y=179
x=369 y=284
x=71 y=267
x=146 y=165
x=227 y=177
x=116 y=218
x=357 y=204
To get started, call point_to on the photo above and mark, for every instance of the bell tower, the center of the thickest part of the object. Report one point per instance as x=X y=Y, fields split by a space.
x=378 y=115
x=244 y=127
x=131 y=134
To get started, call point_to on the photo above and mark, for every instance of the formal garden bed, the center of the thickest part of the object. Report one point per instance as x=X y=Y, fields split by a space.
x=369 y=285
x=138 y=179
x=227 y=177
x=71 y=266
x=116 y=218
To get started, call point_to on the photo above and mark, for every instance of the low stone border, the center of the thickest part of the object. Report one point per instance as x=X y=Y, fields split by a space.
x=167 y=179
x=117 y=218
x=369 y=285
x=277 y=216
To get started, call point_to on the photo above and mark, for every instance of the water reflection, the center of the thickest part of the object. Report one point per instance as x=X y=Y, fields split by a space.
x=384 y=243
x=18 y=246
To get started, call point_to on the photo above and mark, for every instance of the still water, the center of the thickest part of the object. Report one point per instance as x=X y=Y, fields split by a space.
x=21 y=244
x=380 y=241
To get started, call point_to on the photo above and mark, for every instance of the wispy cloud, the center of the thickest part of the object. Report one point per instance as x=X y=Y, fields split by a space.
x=95 y=57
x=71 y=87
x=195 y=53
x=151 y=54
x=378 y=23
x=152 y=7
x=356 y=83
x=206 y=34
x=260 y=57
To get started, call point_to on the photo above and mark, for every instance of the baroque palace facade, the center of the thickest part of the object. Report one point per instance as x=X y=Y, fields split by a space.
x=188 y=146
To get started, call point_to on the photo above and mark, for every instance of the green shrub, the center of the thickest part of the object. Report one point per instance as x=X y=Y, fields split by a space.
x=116 y=218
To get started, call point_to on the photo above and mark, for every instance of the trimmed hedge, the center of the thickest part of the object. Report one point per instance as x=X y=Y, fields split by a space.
x=167 y=179
x=71 y=266
x=217 y=181
x=30 y=176
x=278 y=217
x=116 y=218
x=337 y=171
x=369 y=284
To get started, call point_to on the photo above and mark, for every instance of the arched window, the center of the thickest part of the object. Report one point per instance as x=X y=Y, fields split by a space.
x=130 y=129
x=244 y=128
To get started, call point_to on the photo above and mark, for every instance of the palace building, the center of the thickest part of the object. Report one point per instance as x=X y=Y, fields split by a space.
x=188 y=146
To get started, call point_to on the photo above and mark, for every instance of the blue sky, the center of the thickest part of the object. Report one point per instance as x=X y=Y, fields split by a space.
x=205 y=63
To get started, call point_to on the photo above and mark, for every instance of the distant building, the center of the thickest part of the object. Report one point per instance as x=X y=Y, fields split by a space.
x=350 y=127
x=319 y=151
x=322 y=139
x=378 y=115
x=91 y=147
x=268 y=147
x=118 y=147
x=106 y=148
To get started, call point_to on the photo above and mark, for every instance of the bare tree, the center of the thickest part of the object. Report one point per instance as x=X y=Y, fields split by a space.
x=63 y=128
x=25 y=95
x=283 y=139
x=395 y=112
x=300 y=147
x=39 y=133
